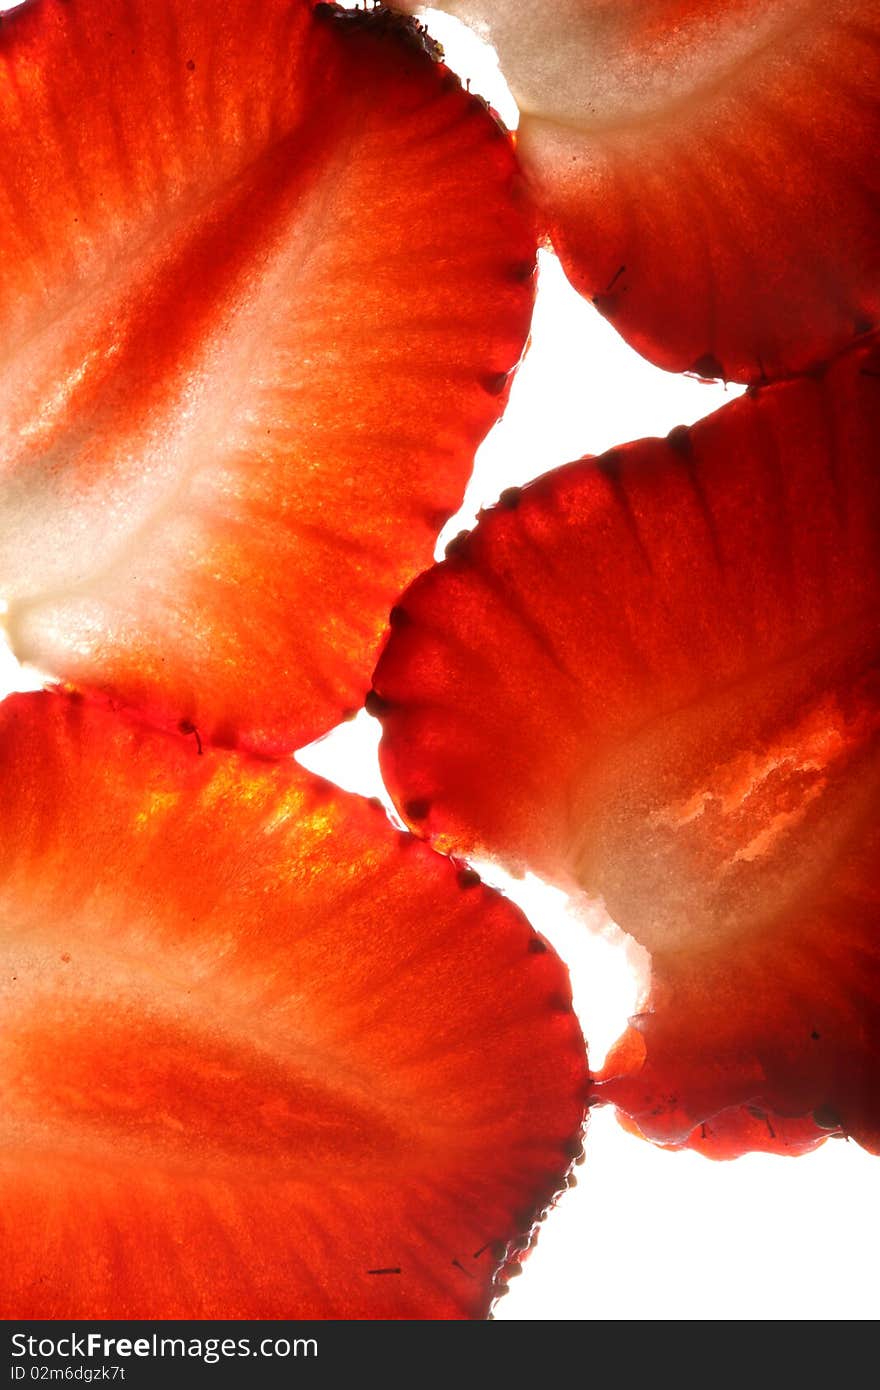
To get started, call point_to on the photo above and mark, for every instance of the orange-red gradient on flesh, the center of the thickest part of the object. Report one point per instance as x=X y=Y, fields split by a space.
x=708 y=171
x=653 y=679
x=262 y=1056
x=262 y=279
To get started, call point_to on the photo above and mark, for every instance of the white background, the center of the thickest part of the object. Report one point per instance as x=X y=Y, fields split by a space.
x=645 y=1234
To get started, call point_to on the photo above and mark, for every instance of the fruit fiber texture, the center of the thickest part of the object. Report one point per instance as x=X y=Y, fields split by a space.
x=653 y=679
x=263 y=276
x=262 y=1056
x=708 y=172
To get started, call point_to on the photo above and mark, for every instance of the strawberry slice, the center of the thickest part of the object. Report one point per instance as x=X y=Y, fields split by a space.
x=708 y=171
x=746 y=1129
x=262 y=1056
x=653 y=679
x=262 y=278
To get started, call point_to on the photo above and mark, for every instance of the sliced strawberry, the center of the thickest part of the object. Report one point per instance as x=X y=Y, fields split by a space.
x=653 y=678
x=262 y=278
x=746 y=1129
x=709 y=172
x=261 y=1056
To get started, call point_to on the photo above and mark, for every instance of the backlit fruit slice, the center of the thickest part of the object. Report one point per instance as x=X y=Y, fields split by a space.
x=708 y=172
x=747 y=1129
x=653 y=679
x=262 y=1056
x=262 y=278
